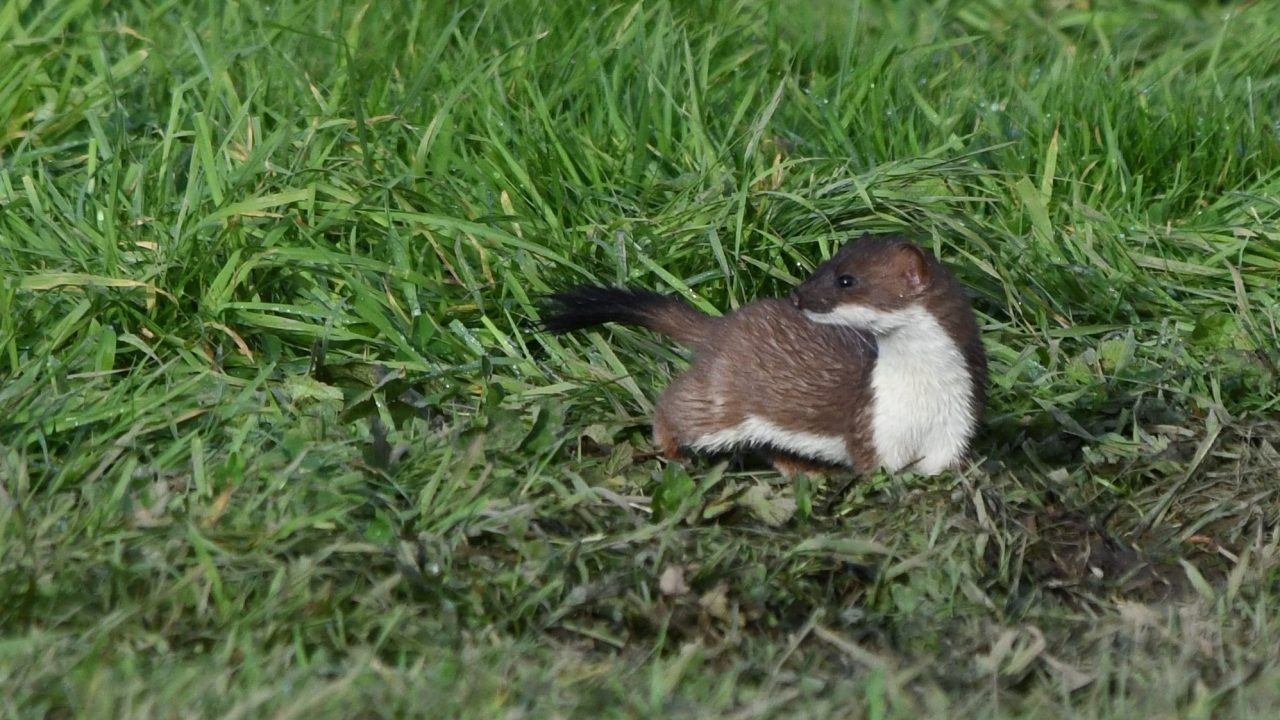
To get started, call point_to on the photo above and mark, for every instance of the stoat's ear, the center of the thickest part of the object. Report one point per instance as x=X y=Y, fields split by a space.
x=914 y=268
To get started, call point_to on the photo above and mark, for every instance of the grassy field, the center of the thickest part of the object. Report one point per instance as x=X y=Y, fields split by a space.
x=278 y=438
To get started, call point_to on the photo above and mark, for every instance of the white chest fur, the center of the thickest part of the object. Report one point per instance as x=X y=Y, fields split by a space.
x=922 y=414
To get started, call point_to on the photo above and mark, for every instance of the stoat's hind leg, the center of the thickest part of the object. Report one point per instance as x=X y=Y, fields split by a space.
x=665 y=435
x=686 y=415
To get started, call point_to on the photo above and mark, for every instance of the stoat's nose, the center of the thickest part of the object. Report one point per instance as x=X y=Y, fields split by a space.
x=795 y=300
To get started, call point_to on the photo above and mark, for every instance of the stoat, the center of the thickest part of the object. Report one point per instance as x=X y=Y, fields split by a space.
x=873 y=362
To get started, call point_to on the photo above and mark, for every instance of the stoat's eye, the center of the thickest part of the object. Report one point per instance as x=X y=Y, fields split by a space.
x=846 y=281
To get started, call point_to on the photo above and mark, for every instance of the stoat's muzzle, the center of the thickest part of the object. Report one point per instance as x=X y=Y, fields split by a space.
x=817 y=294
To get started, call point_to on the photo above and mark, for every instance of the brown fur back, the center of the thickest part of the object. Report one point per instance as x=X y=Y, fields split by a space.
x=767 y=360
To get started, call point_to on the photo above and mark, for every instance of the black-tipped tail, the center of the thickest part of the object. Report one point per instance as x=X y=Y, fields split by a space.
x=589 y=306
x=586 y=306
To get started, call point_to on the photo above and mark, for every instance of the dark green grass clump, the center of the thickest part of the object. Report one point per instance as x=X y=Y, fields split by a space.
x=278 y=435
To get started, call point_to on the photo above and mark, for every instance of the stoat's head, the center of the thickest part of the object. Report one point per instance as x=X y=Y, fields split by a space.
x=875 y=283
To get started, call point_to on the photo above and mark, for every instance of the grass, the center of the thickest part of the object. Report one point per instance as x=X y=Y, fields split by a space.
x=277 y=438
